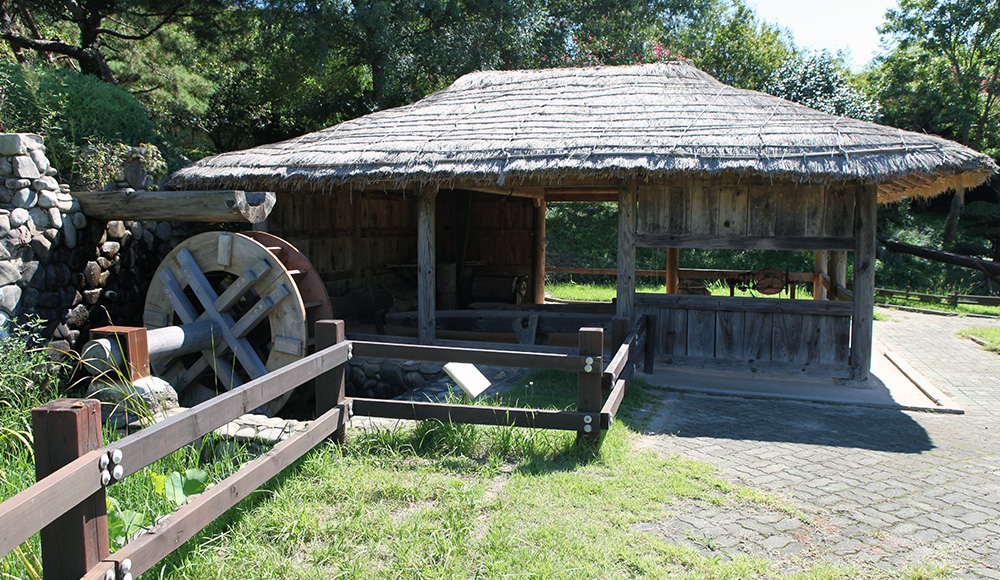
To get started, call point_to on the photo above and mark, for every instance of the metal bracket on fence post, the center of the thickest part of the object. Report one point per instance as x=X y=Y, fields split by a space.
x=77 y=541
x=331 y=385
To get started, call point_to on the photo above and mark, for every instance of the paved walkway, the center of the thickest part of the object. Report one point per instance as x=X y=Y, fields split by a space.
x=871 y=488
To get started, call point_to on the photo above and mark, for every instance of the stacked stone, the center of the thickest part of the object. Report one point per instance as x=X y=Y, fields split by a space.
x=385 y=379
x=39 y=228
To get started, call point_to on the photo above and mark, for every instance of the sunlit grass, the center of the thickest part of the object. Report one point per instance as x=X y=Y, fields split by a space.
x=989 y=337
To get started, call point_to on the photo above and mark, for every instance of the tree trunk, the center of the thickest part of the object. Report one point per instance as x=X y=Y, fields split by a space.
x=954 y=212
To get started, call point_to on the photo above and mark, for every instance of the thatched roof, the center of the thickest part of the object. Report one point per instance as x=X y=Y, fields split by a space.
x=500 y=127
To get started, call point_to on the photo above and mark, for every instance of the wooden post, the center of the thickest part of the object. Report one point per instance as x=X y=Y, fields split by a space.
x=330 y=386
x=864 y=281
x=426 y=256
x=626 y=248
x=838 y=269
x=589 y=393
x=538 y=262
x=64 y=430
x=821 y=267
x=673 y=257
x=620 y=328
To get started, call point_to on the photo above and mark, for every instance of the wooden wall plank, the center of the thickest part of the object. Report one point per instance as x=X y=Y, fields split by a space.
x=729 y=335
x=786 y=337
x=757 y=330
x=839 y=210
x=676 y=218
x=733 y=210
x=703 y=211
x=701 y=333
x=835 y=340
x=762 y=211
x=674 y=331
x=811 y=341
x=814 y=199
x=790 y=210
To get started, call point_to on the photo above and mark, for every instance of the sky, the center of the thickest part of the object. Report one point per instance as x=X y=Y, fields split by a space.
x=830 y=24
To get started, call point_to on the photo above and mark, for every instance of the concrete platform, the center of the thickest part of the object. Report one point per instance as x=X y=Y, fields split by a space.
x=895 y=385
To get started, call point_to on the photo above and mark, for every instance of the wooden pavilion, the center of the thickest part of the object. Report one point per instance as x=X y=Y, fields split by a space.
x=458 y=181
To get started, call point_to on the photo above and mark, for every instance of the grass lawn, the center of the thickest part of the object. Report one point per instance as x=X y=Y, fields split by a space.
x=989 y=337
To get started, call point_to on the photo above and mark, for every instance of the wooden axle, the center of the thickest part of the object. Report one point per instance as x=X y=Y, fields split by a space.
x=106 y=355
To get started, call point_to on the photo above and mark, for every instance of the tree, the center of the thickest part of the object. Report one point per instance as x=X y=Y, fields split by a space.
x=89 y=29
x=822 y=82
x=958 y=42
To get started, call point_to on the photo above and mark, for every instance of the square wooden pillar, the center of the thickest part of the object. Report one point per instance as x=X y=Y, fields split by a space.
x=426 y=256
x=538 y=254
x=627 y=196
x=864 y=281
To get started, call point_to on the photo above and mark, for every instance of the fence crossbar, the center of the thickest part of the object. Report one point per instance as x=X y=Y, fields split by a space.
x=528 y=360
x=476 y=414
x=623 y=356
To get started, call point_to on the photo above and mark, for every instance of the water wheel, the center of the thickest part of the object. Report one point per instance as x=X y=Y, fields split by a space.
x=262 y=295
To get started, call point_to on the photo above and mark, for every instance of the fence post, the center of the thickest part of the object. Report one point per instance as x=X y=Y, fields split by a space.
x=648 y=357
x=330 y=386
x=589 y=394
x=77 y=541
x=621 y=326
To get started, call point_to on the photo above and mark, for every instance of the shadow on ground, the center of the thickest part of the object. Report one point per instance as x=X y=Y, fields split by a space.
x=694 y=415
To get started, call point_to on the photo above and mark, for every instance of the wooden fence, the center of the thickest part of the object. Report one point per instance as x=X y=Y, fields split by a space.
x=68 y=507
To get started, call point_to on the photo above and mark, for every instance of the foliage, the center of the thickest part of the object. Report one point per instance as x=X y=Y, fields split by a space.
x=961 y=41
x=28 y=377
x=982 y=219
x=988 y=337
x=822 y=82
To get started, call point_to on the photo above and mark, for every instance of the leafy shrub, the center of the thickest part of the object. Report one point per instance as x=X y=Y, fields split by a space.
x=28 y=378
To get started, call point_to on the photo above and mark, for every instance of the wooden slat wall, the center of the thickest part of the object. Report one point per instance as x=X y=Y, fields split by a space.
x=792 y=332
x=689 y=210
x=351 y=237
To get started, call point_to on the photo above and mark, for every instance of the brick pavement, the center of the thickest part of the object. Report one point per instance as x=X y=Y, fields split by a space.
x=872 y=488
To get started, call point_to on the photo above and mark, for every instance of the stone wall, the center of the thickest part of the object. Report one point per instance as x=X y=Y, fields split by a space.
x=71 y=271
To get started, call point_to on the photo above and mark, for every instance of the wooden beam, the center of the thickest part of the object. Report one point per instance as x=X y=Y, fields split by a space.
x=673 y=257
x=589 y=392
x=477 y=414
x=426 y=257
x=178 y=206
x=64 y=430
x=821 y=267
x=528 y=360
x=838 y=270
x=627 y=197
x=538 y=255
x=864 y=281
x=743 y=242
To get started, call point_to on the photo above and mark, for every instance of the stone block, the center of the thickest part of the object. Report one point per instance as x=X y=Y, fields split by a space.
x=9 y=273
x=5 y=194
x=69 y=232
x=24 y=198
x=79 y=220
x=10 y=298
x=41 y=161
x=163 y=231
x=42 y=246
x=52 y=234
x=110 y=249
x=4 y=225
x=19 y=143
x=16 y=183
x=29 y=297
x=91 y=296
x=24 y=167
x=78 y=316
x=55 y=217
x=47 y=199
x=6 y=169
x=40 y=217
x=116 y=229
x=92 y=275
x=32 y=275
x=19 y=217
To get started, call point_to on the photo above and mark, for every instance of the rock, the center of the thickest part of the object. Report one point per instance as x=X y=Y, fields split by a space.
x=110 y=249
x=49 y=301
x=116 y=229
x=430 y=368
x=18 y=143
x=40 y=217
x=79 y=220
x=4 y=252
x=9 y=274
x=357 y=376
x=52 y=234
x=42 y=246
x=148 y=238
x=413 y=379
x=4 y=225
x=41 y=161
x=45 y=184
x=10 y=298
x=25 y=167
x=6 y=169
x=47 y=199
x=91 y=296
x=17 y=183
x=19 y=234
x=103 y=279
x=135 y=228
x=163 y=231
x=24 y=197
x=141 y=398
x=53 y=172
x=78 y=316
x=4 y=324
x=391 y=373
x=69 y=232
x=67 y=294
x=32 y=274
x=370 y=369
x=5 y=194
x=30 y=297
x=64 y=201
x=55 y=217
x=92 y=275
x=410 y=366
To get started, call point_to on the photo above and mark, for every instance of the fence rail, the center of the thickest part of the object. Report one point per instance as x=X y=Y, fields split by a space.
x=41 y=506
